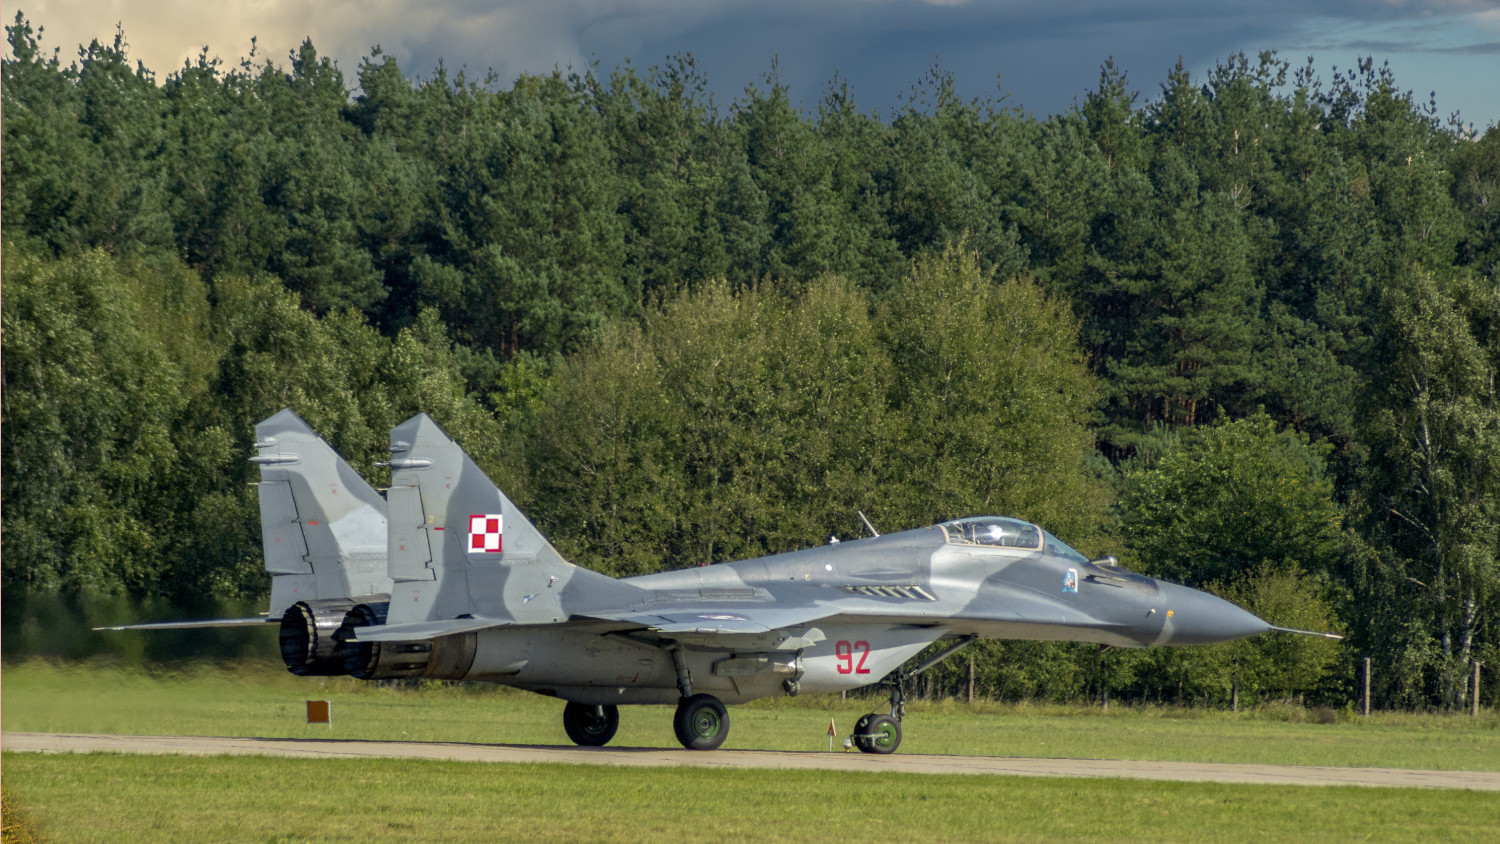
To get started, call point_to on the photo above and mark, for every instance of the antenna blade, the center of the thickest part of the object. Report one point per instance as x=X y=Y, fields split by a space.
x=867 y=522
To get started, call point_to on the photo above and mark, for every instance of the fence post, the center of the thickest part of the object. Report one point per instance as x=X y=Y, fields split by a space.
x=1366 y=699
x=971 y=680
x=1474 y=702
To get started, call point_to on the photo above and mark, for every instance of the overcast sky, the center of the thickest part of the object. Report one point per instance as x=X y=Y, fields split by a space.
x=1042 y=54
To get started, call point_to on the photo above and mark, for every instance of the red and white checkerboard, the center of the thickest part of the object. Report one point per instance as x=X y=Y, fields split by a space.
x=484 y=534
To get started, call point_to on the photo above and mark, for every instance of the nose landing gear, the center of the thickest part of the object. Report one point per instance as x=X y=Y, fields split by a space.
x=875 y=733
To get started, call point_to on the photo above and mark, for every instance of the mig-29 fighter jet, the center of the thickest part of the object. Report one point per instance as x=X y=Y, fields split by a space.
x=470 y=590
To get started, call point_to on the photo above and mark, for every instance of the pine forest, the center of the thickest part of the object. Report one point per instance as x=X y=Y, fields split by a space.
x=1240 y=330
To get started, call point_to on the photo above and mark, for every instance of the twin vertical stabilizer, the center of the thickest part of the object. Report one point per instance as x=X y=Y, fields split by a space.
x=458 y=546
x=323 y=527
x=454 y=556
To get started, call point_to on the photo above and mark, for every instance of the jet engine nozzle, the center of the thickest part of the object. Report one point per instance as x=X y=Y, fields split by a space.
x=309 y=640
x=440 y=658
x=361 y=658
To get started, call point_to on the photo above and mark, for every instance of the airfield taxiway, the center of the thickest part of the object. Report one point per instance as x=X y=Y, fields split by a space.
x=319 y=748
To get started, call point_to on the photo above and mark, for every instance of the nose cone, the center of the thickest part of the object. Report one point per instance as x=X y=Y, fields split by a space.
x=1198 y=618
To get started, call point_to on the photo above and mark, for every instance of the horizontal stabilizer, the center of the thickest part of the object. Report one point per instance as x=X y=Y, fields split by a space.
x=192 y=625
x=419 y=630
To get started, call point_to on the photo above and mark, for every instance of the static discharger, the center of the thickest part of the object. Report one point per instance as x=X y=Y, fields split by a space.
x=319 y=712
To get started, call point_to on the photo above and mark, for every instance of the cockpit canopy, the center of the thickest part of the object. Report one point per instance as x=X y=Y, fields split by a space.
x=996 y=531
x=1001 y=532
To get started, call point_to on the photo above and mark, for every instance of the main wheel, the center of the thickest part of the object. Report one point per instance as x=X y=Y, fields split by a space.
x=591 y=726
x=701 y=722
x=877 y=734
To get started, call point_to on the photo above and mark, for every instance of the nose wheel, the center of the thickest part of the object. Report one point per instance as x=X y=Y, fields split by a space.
x=877 y=734
x=701 y=722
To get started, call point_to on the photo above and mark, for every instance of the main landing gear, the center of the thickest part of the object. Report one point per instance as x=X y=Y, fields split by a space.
x=701 y=723
x=875 y=733
x=591 y=726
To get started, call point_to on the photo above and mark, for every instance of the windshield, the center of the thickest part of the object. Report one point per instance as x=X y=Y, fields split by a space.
x=1057 y=548
x=994 y=531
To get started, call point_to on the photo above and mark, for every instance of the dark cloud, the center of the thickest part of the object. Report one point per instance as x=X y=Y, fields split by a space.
x=1043 y=58
x=1377 y=47
x=1045 y=54
x=1489 y=48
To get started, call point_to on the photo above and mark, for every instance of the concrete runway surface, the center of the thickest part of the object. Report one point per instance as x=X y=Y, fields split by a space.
x=316 y=748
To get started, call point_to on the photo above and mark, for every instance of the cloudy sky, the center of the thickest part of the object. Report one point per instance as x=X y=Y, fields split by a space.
x=1042 y=54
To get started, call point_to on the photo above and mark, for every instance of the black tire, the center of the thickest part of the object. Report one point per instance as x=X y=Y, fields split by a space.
x=861 y=729
x=877 y=734
x=591 y=726
x=701 y=722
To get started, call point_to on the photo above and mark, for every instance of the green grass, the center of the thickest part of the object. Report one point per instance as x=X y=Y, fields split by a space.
x=256 y=699
x=107 y=797
x=120 y=798
x=16 y=823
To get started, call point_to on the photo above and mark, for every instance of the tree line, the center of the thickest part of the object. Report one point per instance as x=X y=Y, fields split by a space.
x=1241 y=333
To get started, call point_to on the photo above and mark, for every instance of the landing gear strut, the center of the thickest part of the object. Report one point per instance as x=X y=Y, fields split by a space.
x=876 y=733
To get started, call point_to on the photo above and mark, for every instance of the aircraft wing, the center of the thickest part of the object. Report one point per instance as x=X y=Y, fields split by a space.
x=705 y=620
x=710 y=619
x=192 y=625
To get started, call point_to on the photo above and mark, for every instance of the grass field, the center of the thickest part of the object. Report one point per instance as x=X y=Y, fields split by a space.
x=117 y=798
x=256 y=699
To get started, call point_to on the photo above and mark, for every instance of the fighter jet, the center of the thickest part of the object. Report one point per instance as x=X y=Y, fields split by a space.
x=471 y=590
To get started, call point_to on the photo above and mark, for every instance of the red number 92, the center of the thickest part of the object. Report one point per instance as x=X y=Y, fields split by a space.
x=845 y=652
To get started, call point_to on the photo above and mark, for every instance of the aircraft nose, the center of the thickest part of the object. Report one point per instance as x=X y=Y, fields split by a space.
x=1198 y=618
